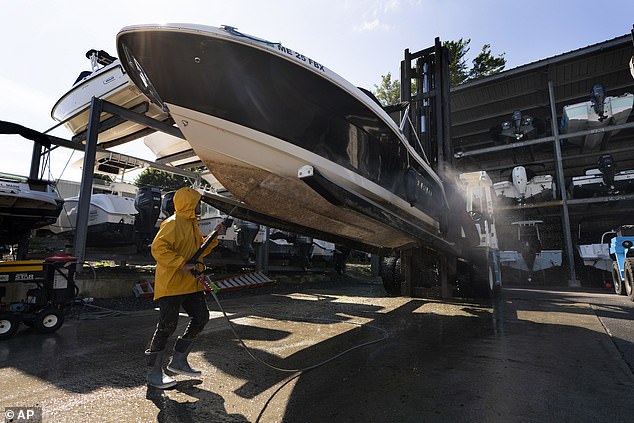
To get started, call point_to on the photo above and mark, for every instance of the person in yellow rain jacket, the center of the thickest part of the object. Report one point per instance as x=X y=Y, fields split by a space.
x=177 y=240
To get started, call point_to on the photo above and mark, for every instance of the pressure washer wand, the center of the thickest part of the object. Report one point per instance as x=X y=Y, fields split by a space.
x=208 y=240
x=206 y=282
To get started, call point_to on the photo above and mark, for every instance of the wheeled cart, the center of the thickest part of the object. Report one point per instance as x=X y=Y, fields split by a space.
x=43 y=307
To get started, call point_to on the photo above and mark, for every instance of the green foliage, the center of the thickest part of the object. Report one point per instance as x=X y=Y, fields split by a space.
x=388 y=92
x=485 y=64
x=164 y=180
x=458 y=72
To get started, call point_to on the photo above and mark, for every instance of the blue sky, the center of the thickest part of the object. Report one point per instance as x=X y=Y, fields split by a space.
x=44 y=42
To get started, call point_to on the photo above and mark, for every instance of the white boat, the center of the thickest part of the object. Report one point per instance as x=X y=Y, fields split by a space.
x=524 y=186
x=603 y=180
x=323 y=250
x=25 y=204
x=170 y=150
x=110 y=219
x=528 y=255
x=119 y=214
x=601 y=111
x=598 y=255
x=545 y=259
x=288 y=137
x=107 y=81
x=177 y=152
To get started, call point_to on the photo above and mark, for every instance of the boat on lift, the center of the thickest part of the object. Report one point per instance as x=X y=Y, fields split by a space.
x=520 y=127
x=599 y=112
x=177 y=152
x=119 y=214
x=107 y=81
x=289 y=138
x=528 y=255
x=603 y=180
x=598 y=255
x=26 y=204
x=525 y=186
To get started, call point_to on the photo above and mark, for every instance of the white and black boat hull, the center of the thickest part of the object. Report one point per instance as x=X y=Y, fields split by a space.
x=255 y=113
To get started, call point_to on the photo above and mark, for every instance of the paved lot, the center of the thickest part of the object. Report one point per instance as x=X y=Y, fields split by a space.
x=530 y=356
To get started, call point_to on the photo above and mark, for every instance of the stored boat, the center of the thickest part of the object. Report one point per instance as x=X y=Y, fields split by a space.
x=110 y=219
x=107 y=81
x=524 y=186
x=287 y=136
x=177 y=152
x=520 y=128
x=25 y=204
x=600 y=111
x=603 y=180
x=123 y=216
x=598 y=255
x=529 y=256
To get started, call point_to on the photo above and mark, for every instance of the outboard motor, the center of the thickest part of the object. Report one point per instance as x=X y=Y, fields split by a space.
x=597 y=97
x=246 y=233
x=303 y=250
x=530 y=245
x=520 y=180
x=608 y=169
x=148 y=204
x=518 y=127
x=517 y=124
x=167 y=205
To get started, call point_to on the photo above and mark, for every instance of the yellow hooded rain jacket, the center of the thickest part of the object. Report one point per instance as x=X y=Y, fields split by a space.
x=176 y=242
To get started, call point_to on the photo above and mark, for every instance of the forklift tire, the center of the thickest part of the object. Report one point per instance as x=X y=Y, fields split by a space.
x=48 y=320
x=617 y=282
x=8 y=325
x=391 y=275
x=483 y=284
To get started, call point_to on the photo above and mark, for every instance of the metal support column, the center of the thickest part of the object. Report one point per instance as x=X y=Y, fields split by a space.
x=262 y=256
x=85 y=191
x=572 y=282
x=36 y=159
x=444 y=89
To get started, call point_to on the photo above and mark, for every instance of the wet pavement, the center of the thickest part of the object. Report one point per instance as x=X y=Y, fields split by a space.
x=529 y=356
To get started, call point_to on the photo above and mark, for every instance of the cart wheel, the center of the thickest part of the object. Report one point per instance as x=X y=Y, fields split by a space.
x=48 y=320
x=8 y=325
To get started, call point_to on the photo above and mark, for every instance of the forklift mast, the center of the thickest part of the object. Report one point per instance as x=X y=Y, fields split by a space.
x=425 y=88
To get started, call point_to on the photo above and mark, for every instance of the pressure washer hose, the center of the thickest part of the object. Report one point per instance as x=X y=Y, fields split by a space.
x=303 y=369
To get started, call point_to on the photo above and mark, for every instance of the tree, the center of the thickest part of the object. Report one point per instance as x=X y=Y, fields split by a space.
x=389 y=92
x=164 y=180
x=457 y=65
x=485 y=64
